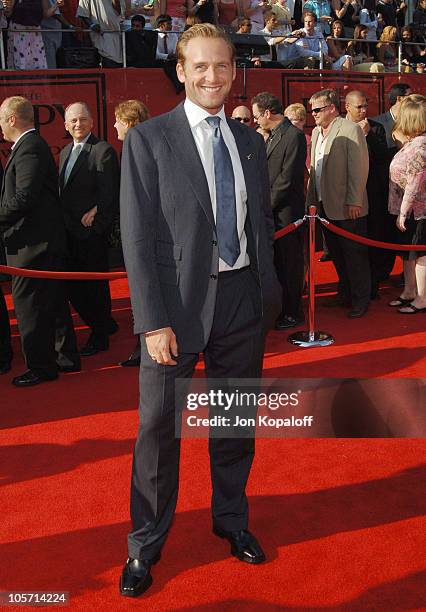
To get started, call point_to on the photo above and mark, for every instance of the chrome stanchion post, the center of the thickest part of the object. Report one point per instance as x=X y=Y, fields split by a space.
x=309 y=338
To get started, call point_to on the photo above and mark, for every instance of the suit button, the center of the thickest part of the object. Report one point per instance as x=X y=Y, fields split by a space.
x=213 y=276
x=214 y=242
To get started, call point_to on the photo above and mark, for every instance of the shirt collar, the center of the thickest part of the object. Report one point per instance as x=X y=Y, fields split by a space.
x=19 y=138
x=195 y=114
x=82 y=142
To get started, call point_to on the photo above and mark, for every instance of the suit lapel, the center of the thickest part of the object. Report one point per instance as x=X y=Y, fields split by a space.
x=178 y=134
x=278 y=134
x=271 y=144
x=81 y=159
x=64 y=157
x=248 y=163
x=335 y=129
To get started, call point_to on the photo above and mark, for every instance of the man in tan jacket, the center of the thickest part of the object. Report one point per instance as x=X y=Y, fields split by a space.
x=337 y=185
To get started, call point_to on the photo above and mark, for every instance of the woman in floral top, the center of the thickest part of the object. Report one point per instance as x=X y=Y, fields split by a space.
x=407 y=198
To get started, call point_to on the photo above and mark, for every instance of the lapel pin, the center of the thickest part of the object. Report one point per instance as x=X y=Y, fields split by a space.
x=250 y=155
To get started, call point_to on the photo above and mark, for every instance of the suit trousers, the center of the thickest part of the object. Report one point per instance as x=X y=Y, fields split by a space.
x=290 y=267
x=351 y=261
x=235 y=350
x=5 y=341
x=91 y=299
x=45 y=325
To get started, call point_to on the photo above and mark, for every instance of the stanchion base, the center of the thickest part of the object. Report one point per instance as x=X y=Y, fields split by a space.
x=305 y=339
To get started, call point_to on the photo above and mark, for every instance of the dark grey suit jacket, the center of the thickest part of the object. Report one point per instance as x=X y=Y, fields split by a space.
x=286 y=153
x=94 y=181
x=168 y=229
x=30 y=217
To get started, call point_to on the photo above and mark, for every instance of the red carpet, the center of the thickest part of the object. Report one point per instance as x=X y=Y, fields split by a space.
x=342 y=521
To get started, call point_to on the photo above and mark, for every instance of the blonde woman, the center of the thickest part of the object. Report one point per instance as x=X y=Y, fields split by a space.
x=407 y=199
x=128 y=114
x=387 y=52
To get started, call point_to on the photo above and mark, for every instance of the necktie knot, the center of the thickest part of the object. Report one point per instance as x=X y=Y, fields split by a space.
x=213 y=122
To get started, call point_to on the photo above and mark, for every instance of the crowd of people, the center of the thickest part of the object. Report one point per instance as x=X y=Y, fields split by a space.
x=360 y=171
x=298 y=32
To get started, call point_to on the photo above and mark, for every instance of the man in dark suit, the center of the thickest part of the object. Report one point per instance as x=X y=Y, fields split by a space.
x=396 y=94
x=34 y=237
x=286 y=152
x=6 y=353
x=141 y=44
x=197 y=233
x=89 y=186
x=377 y=185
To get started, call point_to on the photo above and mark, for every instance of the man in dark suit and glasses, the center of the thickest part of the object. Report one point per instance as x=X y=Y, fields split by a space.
x=34 y=237
x=197 y=233
x=89 y=186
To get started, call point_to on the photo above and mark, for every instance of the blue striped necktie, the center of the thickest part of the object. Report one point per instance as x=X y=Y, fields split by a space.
x=226 y=211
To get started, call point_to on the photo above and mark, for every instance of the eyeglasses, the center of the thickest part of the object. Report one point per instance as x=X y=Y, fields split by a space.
x=256 y=117
x=359 y=106
x=242 y=119
x=319 y=109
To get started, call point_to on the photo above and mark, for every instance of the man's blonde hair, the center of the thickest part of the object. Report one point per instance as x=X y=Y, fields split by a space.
x=131 y=112
x=298 y=110
x=20 y=107
x=201 y=30
x=411 y=121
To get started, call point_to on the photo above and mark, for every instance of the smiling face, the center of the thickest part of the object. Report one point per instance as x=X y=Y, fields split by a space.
x=78 y=122
x=208 y=72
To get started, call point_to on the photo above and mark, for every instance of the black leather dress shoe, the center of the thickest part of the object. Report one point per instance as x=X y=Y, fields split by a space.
x=288 y=321
x=244 y=545
x=357 y=313
x=5 y=368
x=94 y=346
x=136 y=576
x=29 y=379
x=131 y=362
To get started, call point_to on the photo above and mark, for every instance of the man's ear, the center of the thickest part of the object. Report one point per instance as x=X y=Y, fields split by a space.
x=180 y=72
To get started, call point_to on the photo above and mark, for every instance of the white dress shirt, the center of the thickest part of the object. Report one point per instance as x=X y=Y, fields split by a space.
x=172 y=39
x=203 y=136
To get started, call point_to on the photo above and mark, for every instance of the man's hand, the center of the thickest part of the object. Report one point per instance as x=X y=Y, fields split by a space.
x=365 y=126
x=161 y=345
x=87 y=218
x=354 y=211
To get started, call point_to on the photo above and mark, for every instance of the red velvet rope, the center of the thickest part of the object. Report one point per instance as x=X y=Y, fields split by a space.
x=62 y=275
x=392 y=246
x=105 y=275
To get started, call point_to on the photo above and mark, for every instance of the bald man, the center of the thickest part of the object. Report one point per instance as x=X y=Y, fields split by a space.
x=33 y=233
x=242 y=114
x=89 y=186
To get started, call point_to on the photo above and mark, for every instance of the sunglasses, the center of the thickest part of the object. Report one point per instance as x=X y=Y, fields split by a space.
x=242 y=119
x=359 y=106
x=319 y=109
